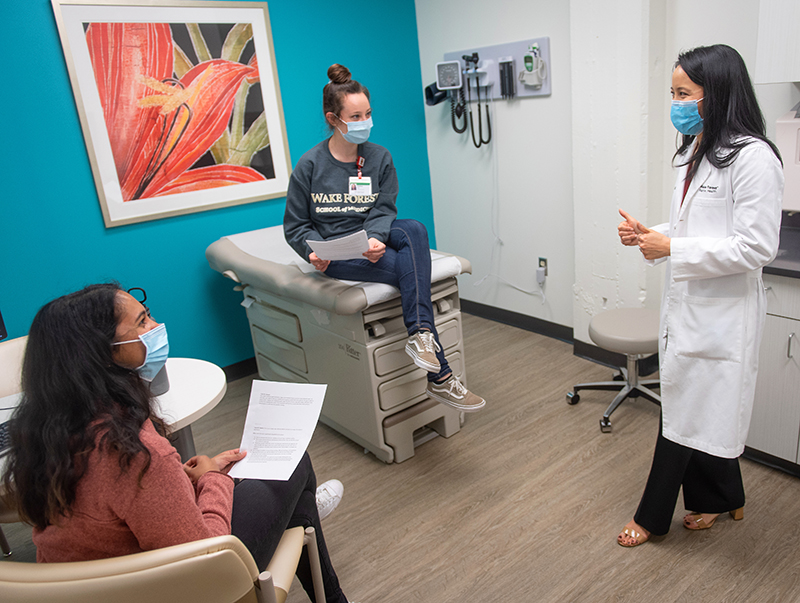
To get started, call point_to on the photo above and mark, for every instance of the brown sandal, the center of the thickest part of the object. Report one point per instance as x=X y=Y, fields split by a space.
x=635 y=535
x=703 y=524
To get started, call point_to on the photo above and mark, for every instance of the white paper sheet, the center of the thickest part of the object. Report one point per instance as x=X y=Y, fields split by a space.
x=351 y=247
x=280 y=421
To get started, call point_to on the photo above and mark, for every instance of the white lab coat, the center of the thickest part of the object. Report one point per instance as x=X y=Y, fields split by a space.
x=713 y=306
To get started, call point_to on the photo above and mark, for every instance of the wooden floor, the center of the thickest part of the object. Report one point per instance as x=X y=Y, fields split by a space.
x=525 y=502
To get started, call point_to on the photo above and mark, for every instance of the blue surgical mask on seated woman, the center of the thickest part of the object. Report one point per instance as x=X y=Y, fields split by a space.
x=157 y=345
x=357 y=131
x=685 y=117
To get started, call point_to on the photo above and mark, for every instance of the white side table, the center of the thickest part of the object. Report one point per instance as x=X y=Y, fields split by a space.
x=195 y=387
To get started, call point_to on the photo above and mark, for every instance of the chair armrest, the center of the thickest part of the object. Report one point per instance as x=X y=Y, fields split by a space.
x=265 y=589
x=284 y=561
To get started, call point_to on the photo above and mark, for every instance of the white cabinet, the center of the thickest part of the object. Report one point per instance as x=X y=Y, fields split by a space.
x=778 y=45
x=775 y=426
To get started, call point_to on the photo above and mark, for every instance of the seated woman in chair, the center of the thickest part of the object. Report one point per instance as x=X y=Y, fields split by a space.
x=90 y=468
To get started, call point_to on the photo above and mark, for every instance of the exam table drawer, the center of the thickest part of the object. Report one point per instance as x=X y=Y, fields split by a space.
x=272 y=371
x=288 y=354
x=393 y=356
x=406 y=387
x=444 y=296
x=276 y=321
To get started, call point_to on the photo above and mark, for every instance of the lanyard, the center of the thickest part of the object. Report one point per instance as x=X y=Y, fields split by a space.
x=360 y=162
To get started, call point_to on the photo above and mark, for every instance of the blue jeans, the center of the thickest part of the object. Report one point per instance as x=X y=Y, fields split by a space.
x=407 y=266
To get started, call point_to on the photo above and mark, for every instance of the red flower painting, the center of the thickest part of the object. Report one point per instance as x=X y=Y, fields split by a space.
x=163 y=113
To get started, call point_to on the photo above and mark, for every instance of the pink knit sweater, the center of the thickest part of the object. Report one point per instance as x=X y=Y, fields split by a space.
x=114 y=515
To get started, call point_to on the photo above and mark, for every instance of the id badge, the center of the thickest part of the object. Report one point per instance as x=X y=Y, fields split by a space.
x=360 y=186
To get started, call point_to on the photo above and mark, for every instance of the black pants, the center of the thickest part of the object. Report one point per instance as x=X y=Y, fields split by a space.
x=711 y=484
x=263 y=510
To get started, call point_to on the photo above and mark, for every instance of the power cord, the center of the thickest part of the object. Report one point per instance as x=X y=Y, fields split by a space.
x=497 y=241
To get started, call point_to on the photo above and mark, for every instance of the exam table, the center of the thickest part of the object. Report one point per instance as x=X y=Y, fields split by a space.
x=310 y=328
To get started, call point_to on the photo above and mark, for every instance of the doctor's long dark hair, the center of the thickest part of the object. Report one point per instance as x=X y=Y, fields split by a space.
x=72 y=392
x=730 y=108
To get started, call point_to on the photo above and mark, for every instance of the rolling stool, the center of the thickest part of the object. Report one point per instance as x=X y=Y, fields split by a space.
x=629 y=331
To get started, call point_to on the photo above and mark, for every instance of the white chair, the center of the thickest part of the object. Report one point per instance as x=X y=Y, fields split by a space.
x=11 y=354
x=629 y=331
x=215 y=570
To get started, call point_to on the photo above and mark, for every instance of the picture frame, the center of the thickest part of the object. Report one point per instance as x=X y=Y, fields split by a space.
x=179 y=104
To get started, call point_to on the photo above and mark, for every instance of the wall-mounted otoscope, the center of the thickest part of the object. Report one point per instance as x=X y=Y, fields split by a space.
x=473 y=60
x=493 y=72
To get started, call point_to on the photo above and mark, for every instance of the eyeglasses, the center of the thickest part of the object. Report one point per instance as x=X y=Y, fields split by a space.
x=143 y=294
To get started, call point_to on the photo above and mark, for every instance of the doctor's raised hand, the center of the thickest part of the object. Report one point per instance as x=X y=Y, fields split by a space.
x=652 y=244
x=629 y=229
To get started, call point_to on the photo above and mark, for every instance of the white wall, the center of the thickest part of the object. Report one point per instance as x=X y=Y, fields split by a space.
x=617 y=109
x=566 y=163
x=629 y=129
x=733 y=22
x=530 y=151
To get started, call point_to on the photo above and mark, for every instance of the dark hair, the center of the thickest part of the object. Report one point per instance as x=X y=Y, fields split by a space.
x=730 y=108
x=340 y=85
x=72 y=391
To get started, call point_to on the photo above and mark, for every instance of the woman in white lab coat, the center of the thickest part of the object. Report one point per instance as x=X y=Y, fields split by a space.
x=723 y=228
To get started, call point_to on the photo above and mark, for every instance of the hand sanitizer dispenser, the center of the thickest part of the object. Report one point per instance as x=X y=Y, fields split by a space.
x=787 y=137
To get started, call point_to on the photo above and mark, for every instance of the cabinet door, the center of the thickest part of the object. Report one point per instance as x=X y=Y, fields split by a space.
x=775 y=426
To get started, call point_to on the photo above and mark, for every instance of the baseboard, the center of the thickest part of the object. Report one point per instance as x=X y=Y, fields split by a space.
x=515 y=319
x=240 y=369
x=647 y=366
x=772 y=461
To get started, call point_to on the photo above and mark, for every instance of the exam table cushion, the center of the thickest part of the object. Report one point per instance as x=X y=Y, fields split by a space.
x=263 y=259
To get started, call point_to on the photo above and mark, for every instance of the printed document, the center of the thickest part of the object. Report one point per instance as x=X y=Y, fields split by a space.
x=351 y=247
x=280 y=421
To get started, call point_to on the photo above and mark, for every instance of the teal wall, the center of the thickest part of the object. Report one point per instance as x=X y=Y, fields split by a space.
x=53 y=238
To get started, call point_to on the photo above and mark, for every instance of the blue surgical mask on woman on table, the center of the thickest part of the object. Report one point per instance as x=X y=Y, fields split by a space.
x=357 y=131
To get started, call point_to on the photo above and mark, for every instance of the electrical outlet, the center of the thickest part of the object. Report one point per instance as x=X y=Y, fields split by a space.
x=543 y=264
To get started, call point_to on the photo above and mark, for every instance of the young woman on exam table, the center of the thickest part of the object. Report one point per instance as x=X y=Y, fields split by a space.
x=723 y=228
x=346 y=184
x=89 y=466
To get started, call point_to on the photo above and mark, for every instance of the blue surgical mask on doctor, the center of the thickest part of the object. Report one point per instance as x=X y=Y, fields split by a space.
x=357 y=131
x=686 y=117
x=157 y=344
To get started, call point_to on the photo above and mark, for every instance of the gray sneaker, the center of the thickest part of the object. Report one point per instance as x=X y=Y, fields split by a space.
x=452 y=393
x=422 y=347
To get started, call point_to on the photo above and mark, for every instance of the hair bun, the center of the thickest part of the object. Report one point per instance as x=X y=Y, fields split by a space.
x=339 y=74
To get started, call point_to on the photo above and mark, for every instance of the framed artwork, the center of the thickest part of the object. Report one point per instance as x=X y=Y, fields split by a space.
x=179 y=104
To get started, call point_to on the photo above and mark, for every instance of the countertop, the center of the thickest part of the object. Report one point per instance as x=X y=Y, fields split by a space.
x=787 y=263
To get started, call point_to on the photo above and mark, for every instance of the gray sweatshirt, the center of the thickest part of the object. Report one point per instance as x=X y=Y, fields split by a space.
x=318 y=203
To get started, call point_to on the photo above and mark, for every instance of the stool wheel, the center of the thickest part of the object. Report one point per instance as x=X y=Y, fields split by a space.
x=573 y=398
x=605 y=425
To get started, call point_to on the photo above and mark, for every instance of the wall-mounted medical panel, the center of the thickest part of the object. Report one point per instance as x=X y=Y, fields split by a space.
x=528 y=61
